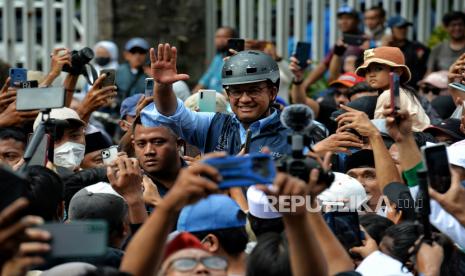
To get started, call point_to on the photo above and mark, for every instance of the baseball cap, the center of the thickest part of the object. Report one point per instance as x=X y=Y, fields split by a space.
x=347 y=10
x=348 y=80
x=136 y=42
x=360 y=159
x=98 y=201
x=399 y=194
x=96 y=141
x=456 y=154
x=437 y=79
x=259 y=205
x=128 y=106
x=345 y=191
x=391 y=56
x=212 y=213
x=183 y=240
x=398 y=21
x=450 y=127
x=63 y=114
x=366 y=104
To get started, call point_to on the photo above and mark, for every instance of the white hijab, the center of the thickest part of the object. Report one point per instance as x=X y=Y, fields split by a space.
x=113 y=50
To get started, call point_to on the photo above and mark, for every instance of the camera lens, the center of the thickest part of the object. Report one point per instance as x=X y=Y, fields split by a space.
x=86 y=54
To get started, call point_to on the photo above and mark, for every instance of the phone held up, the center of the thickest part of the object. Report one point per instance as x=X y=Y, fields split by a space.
x=302 y=53
x=394 y=82
x=437 y=164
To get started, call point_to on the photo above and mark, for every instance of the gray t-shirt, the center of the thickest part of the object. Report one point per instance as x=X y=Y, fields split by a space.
x=442 y=57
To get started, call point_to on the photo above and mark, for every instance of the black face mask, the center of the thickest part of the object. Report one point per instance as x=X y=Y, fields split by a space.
x=102 y=61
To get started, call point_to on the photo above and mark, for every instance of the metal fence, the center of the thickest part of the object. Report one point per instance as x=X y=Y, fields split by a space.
x=30 y=29
x=279 y=20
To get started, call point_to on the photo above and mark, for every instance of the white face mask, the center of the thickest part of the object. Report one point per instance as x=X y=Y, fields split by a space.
x=69 y=155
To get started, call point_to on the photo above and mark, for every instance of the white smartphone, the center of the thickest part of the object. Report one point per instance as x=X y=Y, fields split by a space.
x=207 y=100
x=458 y=86
x=109 y=155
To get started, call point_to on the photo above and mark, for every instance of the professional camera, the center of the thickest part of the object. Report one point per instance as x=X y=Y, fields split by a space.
x=299 y=117
x=78 y=60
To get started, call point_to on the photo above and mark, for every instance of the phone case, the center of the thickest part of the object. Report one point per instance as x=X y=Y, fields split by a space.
x=149 y=84
x=458 y=86
x=17 y=76
x=207 y=101
x=109 y=155
x=40 y=98
x=110 y=78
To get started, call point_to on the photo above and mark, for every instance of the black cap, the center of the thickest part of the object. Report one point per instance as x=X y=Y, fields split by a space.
x=96 y=141
x=444 y=105
x=360 y=159
x=450 y=127
x=399 y=194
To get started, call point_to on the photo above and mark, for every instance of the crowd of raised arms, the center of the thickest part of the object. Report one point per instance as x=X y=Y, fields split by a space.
x=122 y=169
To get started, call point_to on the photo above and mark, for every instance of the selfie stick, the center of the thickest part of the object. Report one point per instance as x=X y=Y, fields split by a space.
x=46 y=125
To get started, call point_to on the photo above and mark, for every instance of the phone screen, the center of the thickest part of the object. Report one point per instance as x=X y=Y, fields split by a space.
x=437 y=164
x=302 y=53
x=394 y=87
x=40 y=98
x=149 y=84
x=346 y=226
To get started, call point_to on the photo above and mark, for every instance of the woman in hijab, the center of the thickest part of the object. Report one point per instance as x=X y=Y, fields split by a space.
x=106 y=55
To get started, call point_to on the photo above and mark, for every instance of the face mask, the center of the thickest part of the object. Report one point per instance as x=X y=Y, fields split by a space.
x=69 y=155
x=102 y=61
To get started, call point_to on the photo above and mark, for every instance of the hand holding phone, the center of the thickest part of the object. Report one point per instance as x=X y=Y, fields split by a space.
x=109 y=155
x=207 y=100
x=394 y=82
x=110 y=77
x=17 y=77
x=302 y=53
x=437 y=164
x=149 y=85
x=237 y=44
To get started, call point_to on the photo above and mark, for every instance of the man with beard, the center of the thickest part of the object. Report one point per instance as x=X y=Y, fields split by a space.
x=212 y=78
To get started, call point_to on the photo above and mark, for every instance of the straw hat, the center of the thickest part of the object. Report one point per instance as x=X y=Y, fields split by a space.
x=391 y=56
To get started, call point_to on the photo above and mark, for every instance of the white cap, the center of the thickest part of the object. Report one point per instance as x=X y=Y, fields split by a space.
x=102 y=188
x=64 y=113
x=378 y=263
x=456 y=154
x=259 y=205
x=345 y=191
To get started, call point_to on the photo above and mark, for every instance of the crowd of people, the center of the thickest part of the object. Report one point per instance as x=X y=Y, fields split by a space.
x=361 y=209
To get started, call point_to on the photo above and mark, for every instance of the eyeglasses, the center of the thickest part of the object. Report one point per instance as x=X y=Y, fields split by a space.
x=252 y=92
x=188 y=264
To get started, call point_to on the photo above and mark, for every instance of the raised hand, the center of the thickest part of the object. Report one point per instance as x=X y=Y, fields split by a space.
x=96 y=98
x=338 y=142
x=357 y=120
x=59 y=60
x=163 y=65
x=398 y=126
x=126 y=179
x=11 y=117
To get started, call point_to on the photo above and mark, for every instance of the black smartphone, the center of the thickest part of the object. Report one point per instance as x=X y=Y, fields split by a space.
x=86 y=238
x=40 y=156
x=437 y=164
x=17 y=76
x=352 y=39
x=302 y=53
x=110 y=77
x=13 y=187
x=149 y=84
x=30 y=84
x=394 y=83
x=40 y=98
x=344 y=224
x=236 y=44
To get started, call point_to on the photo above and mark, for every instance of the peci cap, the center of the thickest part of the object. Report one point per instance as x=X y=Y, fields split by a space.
x=398 y=21
x=360 y=159
x=450 y=127
x=136 y=42
x=212 y=213
x=345 y=191
x=63 y=114
x=128 y=106
x=391 y=56
x=347 y=80
x=96 y=141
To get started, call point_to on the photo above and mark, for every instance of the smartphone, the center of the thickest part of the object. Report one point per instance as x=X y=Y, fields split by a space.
x=352 y=39
x=248 y=138
x=458 y=86
x=30 y=84
x=109 y=155
x=40 y=98
x=437 y=165
x=149 y=85
x=302 y=53
x=394 y=83
x=207 y=100
x=86 y=238
x=343 y=224
x=17 y=76
x=13 y=187
x=40 y=156
x=236 y=44
x=244 y=171
x=110 y=78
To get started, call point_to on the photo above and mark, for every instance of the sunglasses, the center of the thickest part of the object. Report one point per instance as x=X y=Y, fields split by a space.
x=188 y=264
x=428 y=88
x=138 y=50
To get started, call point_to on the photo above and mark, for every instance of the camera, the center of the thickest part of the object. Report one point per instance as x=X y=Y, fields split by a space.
x=78 y=61
x=298 y=118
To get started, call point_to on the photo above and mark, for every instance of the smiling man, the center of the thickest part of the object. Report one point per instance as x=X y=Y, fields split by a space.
x=157 y=149
x=251 y=81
